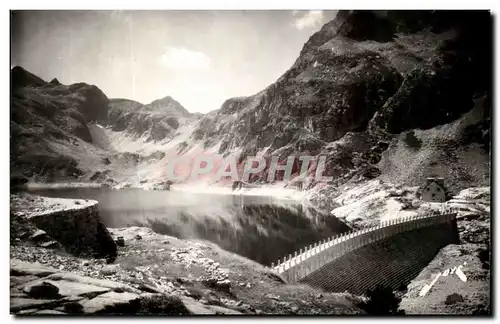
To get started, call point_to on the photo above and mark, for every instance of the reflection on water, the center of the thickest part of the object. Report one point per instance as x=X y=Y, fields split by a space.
x=263 y=229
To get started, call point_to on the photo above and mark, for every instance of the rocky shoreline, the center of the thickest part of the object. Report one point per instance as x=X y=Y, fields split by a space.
x=196 y=277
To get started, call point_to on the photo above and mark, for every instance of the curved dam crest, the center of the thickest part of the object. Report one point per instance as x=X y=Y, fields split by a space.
x=397 y=250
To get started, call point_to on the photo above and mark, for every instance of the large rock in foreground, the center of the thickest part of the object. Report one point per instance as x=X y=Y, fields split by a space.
x=62 y=293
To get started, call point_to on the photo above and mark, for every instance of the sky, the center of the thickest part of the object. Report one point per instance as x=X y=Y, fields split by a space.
x=200 y=58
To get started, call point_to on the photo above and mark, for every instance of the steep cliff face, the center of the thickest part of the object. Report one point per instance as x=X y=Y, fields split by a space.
x=363 y=78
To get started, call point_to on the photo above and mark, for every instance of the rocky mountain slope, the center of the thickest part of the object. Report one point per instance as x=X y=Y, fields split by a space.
x=367 y=77
x=69 y=132
x=157 y=120
x=398 y=95
x=43 y=114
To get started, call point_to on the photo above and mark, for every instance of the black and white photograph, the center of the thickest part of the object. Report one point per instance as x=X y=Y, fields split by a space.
x=250 y=163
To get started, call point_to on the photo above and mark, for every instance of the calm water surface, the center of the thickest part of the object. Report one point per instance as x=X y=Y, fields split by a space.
x=263 y=229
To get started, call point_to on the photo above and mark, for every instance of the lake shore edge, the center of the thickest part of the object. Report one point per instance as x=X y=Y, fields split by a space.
x=198 y=272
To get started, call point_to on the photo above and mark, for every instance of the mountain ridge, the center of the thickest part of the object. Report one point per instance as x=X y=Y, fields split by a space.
x=360 y=83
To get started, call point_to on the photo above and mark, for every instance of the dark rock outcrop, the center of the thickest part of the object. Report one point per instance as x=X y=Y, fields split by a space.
x=42 y=290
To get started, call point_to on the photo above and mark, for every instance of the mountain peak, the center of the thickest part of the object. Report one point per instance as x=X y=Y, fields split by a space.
x=170 y=104
x=20 y=77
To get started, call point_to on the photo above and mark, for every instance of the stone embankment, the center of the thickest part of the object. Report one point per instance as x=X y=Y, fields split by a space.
x=75 y=224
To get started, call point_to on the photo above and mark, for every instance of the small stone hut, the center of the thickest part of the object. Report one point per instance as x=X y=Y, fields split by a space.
x=433 y=190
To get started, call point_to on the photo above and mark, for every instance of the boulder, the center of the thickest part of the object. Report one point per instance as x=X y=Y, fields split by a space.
x=223 y=285
x=161 y=304
x=113 y=302
x=149 y=289
x=453 y=299
x=273 y=297
x=42 y=289
x=73 y=308
x=211 y=298
x=71 y=288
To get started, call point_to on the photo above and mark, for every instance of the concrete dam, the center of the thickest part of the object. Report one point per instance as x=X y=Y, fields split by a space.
x=390 y=254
